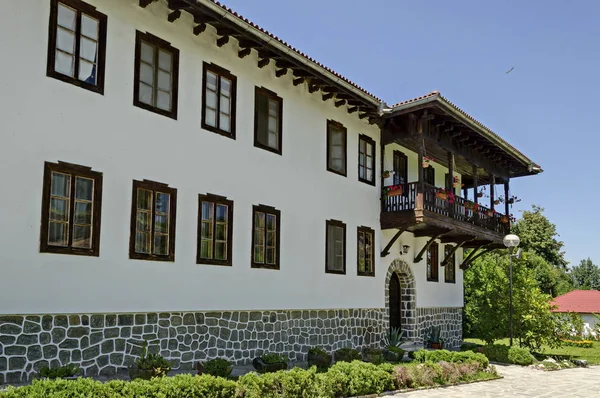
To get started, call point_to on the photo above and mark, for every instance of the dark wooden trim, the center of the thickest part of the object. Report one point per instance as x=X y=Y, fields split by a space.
x=154 y=187
x=446 y=263
x=434 y=247
x=332 y=123
x=371 y=141
x=220 y=72
x=387 y=247
x=340 y=224
x=215 y=200
x=90 y=10
x=481 y=253
x=158 y=43
x=431 y=240
x=366 y=230
x=472 y=254
x=273 y=96
x=506 y=204
x=74 y=171
x=272 y=211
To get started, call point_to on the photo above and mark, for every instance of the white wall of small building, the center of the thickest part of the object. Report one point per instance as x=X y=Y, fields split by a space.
x=43 y=119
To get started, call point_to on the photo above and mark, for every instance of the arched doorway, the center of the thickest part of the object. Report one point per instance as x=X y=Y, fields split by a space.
x=400 y=296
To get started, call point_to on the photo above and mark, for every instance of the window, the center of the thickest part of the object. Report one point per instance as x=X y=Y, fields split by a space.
x=450 y=266
x=432 y=263
x=366 y=159
x=366 y=251
x=335 y=247
x=77 y=44
x=429 y=175
x=268 y=120
x=215 y=230
x=152 y=221
x=336 y=147
x=218 y=100
x=400 y=168
x=265 y=237
x=71 y=206
x=156 y=75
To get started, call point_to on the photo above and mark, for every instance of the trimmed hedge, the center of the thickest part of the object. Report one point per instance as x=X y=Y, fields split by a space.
x=451 y=357
x=504 y=354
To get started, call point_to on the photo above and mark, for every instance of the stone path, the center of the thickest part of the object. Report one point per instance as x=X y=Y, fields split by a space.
x=524 y=382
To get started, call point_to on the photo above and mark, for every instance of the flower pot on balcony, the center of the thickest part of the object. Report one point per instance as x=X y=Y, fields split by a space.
x=496 y=202
x=455 y=184
x=425 y=164
x=489 y=213
x=441 y=195
x=504 y=220
x=480 y=194
x=396 y=191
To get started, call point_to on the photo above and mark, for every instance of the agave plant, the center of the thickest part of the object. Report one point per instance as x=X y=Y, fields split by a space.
x=395 y=337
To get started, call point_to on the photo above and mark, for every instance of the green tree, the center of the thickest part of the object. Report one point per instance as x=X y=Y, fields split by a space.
x=586 y=275
x=539 y=235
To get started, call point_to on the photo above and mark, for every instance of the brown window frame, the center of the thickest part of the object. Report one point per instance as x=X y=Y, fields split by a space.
x=400 y=165
x=258 y=91
x=451 y=264
x=365 y=230
x=154 y=187
x=427 y=173
x=371 y=141
x=73 y=171
x=330 y=124
x=81 y=8
x=221 y=73
x=267 y=210
x=158 y=44
x=433 y=263
x=215 y=200
x=339 y=224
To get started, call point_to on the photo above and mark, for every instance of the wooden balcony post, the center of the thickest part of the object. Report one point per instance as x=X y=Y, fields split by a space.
x=506 y=197
x=492 y=183
x=383 y=207
x=475 y=198
x=450 y=181
x=421 y=180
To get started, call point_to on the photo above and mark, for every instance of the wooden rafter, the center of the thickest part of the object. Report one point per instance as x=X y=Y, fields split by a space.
x=199 y=29
x=419 y=256
x=328 y=96
x=221 y=41
x=298 y=81
x=281 y=72
x=466 y=264
x=386 y=249
x=145 y=3
x=263 y=62
x=172 y=17
x=244 y=52
x=454 y=249
x=339 y=103
x=353 y=109
x=313 y=88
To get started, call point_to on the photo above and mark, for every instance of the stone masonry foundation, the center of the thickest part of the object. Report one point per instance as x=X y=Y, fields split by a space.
x=102 y=344
x=450 y=319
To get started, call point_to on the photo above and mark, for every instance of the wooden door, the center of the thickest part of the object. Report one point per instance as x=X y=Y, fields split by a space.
x=395 y=302
x=400 y=168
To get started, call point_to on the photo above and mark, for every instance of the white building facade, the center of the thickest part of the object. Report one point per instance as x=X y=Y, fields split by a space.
x=172 y=181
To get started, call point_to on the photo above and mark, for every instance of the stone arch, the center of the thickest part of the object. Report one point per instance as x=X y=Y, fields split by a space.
x=408 y=294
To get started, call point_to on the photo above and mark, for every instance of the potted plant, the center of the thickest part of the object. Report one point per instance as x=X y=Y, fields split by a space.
x=392 y=190
x=394 y=339
x=68 y=372
x=455 y=182
x=318 y=357
x=372 y=355
x=434 y=340
x=489 y=213
x=346 y=355
x=148 y=366
x=270 y=363
x=504 y=219
x=216 y=367
x=426 y=160
x=388 y=173
x=441 y=194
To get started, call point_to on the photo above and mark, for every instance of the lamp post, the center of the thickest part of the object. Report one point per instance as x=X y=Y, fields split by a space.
x=511 y=242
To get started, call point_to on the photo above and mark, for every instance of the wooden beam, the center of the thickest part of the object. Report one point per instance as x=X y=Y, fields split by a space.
x=263 y=62
x=249 y=44
x=339 y=103
x=475 y=183
x=466 y=264
x=199 y=28
x=172 y=17
x=386 y=249
x=301 y=73
x=363 y=115
x=473 y=253
x=492 y=183
x=244 y=52
x=221 y=41
x=313 y=88
x=281 y=72
x=202 y=19
x=506 y=209
x=328 y=96
x=425 y=248
x=353 y=109
x=298 y=81
x=431 y=231
x=454 y=249
x=145 y=3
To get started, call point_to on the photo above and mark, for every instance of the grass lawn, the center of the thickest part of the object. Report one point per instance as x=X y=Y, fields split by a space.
x=592 y=355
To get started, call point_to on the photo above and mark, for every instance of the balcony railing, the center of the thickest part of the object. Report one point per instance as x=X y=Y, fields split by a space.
x=460 y=209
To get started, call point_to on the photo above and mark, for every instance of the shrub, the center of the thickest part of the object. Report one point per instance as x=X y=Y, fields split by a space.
x=578 y=343
x=274 y=358
x=373 y=355
x=295 y=383
x=150 y=365
x=450 y=372
x=451 y=356
x=505 y=354
x=318 y=357
x=520 y=356
x=218 y=367
x=348 y=379
x=426 y=374
x=60 y=372
x=402 y=377
x=393 y=354
x=347 y=355
x=466 y=346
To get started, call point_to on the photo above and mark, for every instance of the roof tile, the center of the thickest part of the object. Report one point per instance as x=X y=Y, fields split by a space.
x=581 y=301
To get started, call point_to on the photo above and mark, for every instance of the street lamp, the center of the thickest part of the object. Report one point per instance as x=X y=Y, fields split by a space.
x=511 y=242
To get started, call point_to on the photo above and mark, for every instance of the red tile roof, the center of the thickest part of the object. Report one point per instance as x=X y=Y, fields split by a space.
x=581 y=301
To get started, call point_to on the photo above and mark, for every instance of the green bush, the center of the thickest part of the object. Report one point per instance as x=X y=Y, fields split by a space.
x=505 y=354
x=294 y=383
x=348 y=379
x=466 y=346
x=520 y=356
x=218 y=367
x=373 y=355
x=452 y=357
x=347 y=355
x=60 y=372
x=274 y=358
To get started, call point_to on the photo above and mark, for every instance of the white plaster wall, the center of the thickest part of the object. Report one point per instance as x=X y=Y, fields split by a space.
x=428 y=294
x=43 y=119
x=590 y=320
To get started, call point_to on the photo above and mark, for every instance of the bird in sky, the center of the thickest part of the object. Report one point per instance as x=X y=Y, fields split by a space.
x=510 y=70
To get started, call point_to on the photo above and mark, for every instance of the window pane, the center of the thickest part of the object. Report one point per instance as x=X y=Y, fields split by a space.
x=87 y=49
x=369 y=174
x=164 y=101
x=146 y=94
x=220 y=251
x=65 y=40
x=164 y=80
x=259 y=253
x=224 y=105
x=259 y=237
x=271 y=238
x=206 y=230
x=87 y=72
x=226 y=87
x=161 y=224
x=144 y=199
x=211 y=118
x=259 y=220
x=211 y=81
x=84 y=188
x=142 y=242
x=273 y=125
x=221 y=232
x=224 y=123
x=164 y=60
x=146 y=74
x=272 y=140
x=222 y=212
x=143 y=221
x=147 y=53
x=271 y=222
x=161 y=244
x=66 y=16
x=207 y=210
x=273 y=108
x=162 y=202
x=89 y=27
x=57 y=234
x=64 y=64
x=82 y=236
x=206 y=249
x=211 y=100
x=59 y=209
x=60 y=185
x=270 y=257
x=337 y=138
x=83 y=213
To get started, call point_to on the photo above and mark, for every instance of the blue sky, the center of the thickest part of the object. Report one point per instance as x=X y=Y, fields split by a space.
x=546 y=107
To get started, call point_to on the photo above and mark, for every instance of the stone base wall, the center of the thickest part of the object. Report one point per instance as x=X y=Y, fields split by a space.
x=102 y=344
x=449 y=318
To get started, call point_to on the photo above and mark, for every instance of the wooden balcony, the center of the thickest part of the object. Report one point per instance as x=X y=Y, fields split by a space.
x=426 y=214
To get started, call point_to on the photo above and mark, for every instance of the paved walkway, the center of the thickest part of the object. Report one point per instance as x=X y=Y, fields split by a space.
x=524 y=382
